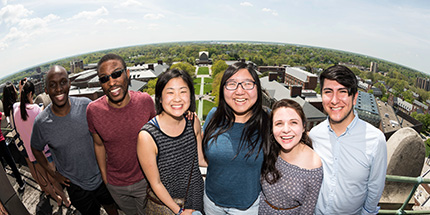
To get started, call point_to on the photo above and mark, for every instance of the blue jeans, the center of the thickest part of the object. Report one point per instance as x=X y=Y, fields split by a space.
x=212 y=209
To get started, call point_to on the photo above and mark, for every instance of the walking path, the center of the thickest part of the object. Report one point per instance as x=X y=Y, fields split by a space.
x=201 y=95
x=35 y=201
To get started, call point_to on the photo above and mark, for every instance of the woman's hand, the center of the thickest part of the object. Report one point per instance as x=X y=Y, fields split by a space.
x=187 y=212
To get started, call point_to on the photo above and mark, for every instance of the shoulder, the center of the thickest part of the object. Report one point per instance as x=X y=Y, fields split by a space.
x=140 y=96
x=80 y=100
x=318 y=128
x=313 y=159
x=43 y=115
x=97 y=103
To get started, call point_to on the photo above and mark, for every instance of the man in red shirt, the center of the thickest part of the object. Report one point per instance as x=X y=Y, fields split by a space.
x=114 y=121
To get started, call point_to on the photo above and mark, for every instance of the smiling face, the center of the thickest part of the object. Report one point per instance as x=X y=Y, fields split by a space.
x=175 y=97
x=337 y=103
x=58 y=86
x=287 y=127
x=241 y=100
x=115 y=89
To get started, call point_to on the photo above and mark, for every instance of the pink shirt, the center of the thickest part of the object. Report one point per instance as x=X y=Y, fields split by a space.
x=25 y=128
x=119 y=128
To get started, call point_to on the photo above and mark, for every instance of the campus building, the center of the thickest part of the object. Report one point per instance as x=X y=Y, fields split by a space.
x=274 y=91
x=297 y=76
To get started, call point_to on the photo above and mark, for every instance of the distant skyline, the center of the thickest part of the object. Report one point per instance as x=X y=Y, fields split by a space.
x=37 y=32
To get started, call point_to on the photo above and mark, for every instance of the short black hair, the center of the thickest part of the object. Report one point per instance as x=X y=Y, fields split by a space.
x=343 y=75
x=111 y=56
x=164 y=78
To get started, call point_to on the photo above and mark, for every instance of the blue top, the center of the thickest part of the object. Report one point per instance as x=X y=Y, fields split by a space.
x=354 y=164
x=232 y=181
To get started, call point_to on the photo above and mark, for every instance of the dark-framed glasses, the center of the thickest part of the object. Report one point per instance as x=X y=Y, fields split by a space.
x=233 y=85
x=114 y=75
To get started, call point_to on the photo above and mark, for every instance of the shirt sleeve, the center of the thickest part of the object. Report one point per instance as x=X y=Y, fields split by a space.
x=313 y=189
x=90 y=120
x=36 y=140
x=377 y=177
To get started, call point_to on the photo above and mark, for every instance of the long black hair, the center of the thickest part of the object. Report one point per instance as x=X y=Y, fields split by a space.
x=9 y=97
x=269 y=171
x=27 y=88
x=224 y=118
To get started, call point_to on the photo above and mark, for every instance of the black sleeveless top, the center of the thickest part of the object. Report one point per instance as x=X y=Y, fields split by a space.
x=175 y=159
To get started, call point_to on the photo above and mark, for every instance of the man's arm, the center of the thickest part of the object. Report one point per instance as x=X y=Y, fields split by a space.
x=377 y=175
x=99 y=149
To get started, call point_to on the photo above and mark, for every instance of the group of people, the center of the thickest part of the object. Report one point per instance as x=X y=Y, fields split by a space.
x=126 y=150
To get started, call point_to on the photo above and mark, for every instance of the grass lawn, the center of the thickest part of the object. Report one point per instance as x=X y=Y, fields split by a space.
x=197 y=80
x=207 y=106
x=197 y=89
x=209 y=80
x=203 y=71
x=208 y=88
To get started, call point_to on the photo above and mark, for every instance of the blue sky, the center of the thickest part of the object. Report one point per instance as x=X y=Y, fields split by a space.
x=36 y=32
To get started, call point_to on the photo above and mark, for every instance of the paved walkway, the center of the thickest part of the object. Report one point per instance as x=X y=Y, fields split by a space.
x=34 y=199
x=201 y=95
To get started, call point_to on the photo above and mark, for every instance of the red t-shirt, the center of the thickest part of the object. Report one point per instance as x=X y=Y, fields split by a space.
x=118 y=128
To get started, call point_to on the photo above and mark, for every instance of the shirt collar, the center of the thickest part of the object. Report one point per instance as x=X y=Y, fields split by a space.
x=349 y=127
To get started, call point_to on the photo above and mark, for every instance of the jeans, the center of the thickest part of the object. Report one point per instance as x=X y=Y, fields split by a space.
x=212 y=209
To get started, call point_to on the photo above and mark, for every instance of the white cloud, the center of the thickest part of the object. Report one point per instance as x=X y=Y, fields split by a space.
x=101 y=21
x=153 y=26
x=4 y=3
x=273 y=12
x=12 y=14
x=246 y=4
x=13 y=35
x=130 y=3
x=91 y=14
x=152 y=16
x=36 y=24
x=122 y=21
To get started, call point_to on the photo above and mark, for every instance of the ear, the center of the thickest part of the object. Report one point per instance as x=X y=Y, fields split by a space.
x=354 y=98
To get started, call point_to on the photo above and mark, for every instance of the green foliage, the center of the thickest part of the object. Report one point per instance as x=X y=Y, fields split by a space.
x=150 y=86
x=424 y=119
x=427 y=144
x=215 y=86
x=263 y=54
x=218 y=66
x=203 y=71
x=186 y=67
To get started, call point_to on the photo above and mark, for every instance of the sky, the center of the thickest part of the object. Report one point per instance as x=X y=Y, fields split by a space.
x=37 y=32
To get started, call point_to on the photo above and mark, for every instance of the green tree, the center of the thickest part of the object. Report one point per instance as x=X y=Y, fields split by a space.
x=150 y=86
x=215 y=86
x=218 y=66
x=186 y=67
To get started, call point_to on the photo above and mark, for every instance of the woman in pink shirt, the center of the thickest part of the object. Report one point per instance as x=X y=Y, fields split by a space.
x=24 y=114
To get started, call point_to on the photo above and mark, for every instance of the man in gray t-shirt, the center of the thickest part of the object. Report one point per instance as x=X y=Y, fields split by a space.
x=63 y=127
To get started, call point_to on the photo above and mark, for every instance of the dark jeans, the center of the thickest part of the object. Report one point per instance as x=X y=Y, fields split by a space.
x=5 y=153
x=89 y=202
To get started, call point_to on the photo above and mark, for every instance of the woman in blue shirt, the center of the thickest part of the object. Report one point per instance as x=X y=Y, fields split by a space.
x=234 y=134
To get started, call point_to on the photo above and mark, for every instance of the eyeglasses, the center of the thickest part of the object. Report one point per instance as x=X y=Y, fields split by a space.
x=233 y=85
x=114 y=75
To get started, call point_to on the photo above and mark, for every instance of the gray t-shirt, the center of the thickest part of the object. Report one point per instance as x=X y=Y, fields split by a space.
x=70 y=142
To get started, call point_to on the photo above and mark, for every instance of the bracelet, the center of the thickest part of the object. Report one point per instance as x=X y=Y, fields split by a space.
x=180 y=211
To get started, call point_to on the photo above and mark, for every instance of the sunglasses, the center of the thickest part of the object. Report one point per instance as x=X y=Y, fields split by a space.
x=114 y=75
